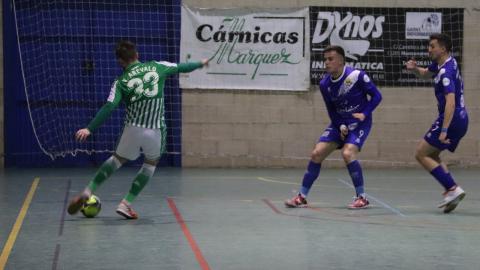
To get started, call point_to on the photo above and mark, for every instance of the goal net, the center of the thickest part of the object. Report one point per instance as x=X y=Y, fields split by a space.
x=68 y=65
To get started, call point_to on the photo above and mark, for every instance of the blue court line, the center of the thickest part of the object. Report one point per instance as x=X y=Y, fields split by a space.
x=396 y=211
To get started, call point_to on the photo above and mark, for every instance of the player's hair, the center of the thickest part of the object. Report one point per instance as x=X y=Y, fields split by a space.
x=126 y=51
x=443 y=39
x=337 y=49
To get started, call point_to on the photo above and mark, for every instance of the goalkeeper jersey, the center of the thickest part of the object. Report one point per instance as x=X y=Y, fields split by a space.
x=141 y=88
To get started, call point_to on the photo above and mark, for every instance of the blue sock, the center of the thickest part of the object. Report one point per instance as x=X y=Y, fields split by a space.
x=313 y=171
x=445 y=179
x=355 y=171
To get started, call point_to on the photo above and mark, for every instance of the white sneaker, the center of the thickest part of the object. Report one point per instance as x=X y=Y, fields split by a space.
x=297 y=201
x=126 y=211
x=451 y=199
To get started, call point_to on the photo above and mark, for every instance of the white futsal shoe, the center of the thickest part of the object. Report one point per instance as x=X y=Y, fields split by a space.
x=452 y=198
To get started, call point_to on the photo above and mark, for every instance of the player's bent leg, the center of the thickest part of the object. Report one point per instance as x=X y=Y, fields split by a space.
x=141 y=179
x=319 y=153
x=424 y=153
x=453 y=194
x=437 y=158
x=349 y=154
x=106 y=170
x=322 y=150
x=429 y=157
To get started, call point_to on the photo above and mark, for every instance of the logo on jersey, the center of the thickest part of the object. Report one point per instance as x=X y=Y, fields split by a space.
x=446 y=81
x=439 y=75
x=348 y=83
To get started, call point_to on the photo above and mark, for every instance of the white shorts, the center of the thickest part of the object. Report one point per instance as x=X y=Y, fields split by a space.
x=136 y=140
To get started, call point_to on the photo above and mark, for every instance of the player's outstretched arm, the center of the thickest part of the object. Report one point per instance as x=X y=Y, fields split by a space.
x=189 y=67
x=82 y=134
x=420 y=72
x=205 y=62
x=97 y=121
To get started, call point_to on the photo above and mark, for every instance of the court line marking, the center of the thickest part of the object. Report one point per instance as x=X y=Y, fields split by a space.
x=275 y=181
x=193 y=245
x=393 y=209
x=336 y=186
x=64 y=211
x=55 y=257
x=18 y=224
x=313 y=208
x=213 y=177
x=403 y=223
x=58 y=247
x=291 y=183
x=342 y=218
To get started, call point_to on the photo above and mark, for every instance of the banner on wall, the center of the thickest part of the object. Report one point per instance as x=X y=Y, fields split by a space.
x=248 y=49
x=381 y=40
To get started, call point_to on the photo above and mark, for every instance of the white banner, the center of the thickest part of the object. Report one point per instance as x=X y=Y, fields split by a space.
x=420 y=25
x=248 y=49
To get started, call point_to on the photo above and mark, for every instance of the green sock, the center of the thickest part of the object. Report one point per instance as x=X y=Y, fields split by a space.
x=108 y=167
x=140 y=181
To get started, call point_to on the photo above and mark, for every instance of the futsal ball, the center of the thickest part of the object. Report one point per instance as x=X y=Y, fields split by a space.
x=91 y=207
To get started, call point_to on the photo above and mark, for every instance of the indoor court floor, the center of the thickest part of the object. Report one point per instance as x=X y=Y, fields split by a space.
x=235 y=219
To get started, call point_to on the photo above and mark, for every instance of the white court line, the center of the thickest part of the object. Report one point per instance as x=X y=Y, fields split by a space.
x=279 y=181
x=396 y=211
x=276 y=181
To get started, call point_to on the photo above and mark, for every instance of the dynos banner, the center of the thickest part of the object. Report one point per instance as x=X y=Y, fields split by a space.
x=247 y=48
x=381 y=40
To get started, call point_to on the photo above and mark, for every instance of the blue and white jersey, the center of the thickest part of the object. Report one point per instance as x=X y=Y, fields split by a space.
x=447 y=80
x=349 y=94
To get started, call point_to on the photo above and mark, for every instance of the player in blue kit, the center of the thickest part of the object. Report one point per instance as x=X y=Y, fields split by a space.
x=350 y=97
x=452 y=121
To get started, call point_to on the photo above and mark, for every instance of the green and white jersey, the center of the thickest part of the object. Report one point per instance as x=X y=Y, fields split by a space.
x=141 y=88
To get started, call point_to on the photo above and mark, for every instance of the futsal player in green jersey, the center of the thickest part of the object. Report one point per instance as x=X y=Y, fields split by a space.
x=141 y=88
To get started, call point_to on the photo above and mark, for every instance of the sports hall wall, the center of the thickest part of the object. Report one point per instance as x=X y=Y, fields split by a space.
x=225 y=128
x=60 y=68
x=258 y=129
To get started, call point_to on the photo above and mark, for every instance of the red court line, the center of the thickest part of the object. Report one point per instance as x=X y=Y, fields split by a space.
x=270 y=204
x=417 y=224
x=201 y=260
x=331 y=215
x=277 y=211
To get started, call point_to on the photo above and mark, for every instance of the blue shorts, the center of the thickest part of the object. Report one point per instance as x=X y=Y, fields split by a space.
x=357 y=136
x=457 y=129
